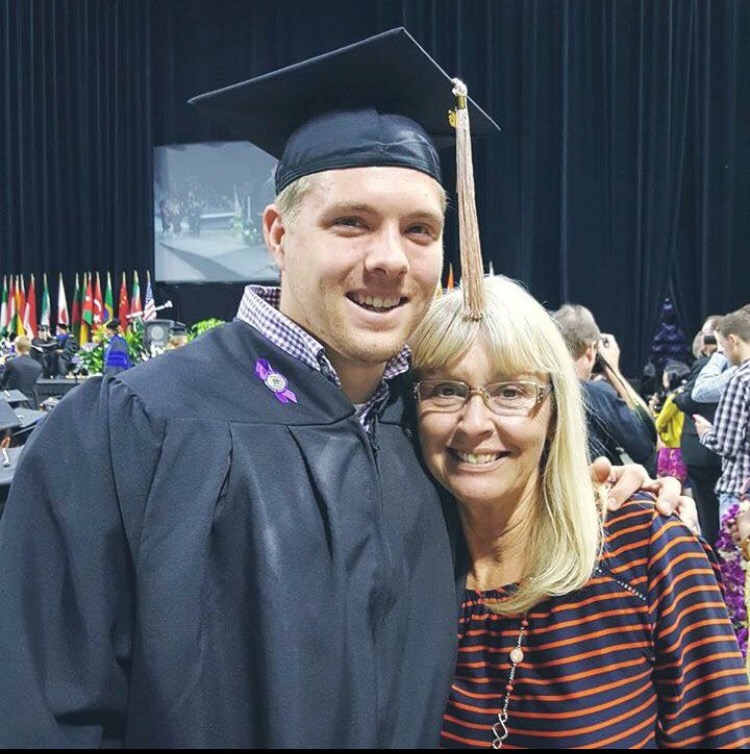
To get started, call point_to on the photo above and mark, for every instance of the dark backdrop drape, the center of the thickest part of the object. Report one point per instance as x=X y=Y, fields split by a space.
x=622 y=173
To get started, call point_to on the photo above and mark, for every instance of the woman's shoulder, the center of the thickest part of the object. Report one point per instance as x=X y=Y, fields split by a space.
x=637 y=539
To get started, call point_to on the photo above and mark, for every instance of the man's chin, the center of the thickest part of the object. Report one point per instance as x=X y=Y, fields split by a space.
x=372 y=351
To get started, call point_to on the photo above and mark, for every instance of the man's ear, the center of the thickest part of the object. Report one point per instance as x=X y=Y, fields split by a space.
x=273 y=234
x=591 y=354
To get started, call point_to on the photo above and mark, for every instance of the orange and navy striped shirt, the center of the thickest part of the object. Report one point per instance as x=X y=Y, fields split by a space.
x=643 y=656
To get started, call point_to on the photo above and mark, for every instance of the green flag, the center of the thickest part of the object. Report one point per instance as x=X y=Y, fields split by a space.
x=4 y=309
x=44 y=318
x=109 y=302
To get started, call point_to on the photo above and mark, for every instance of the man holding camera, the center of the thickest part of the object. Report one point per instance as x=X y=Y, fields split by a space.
x=618 y=419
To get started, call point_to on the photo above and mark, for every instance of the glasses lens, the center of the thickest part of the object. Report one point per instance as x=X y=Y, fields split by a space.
x=443 y=393
x=512 y=397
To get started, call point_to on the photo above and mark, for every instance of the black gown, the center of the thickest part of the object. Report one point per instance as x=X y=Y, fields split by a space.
x=186 y=561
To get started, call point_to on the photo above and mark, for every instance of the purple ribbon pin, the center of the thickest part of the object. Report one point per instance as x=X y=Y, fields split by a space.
x=274 y=381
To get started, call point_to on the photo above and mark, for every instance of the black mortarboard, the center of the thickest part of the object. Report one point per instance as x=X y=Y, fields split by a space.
x=112 y=324
x=8 y=417
x=382 y=101
x=178 y=328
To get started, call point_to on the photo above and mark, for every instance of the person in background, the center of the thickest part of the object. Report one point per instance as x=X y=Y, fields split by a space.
x=618 y=418
x=22 y=372
x=116 y=356
x=577 y=631
x=729 y=433
x=67 y=348
x=703 y=465
x=729 y=436
x=669 y=421
x=717 y=371
x=42 y=350
x=178 y=336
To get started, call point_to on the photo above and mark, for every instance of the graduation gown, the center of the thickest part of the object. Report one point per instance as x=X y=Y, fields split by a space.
x=210 y=567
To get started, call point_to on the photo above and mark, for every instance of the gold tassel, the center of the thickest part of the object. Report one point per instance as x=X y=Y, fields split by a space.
x=472 y=268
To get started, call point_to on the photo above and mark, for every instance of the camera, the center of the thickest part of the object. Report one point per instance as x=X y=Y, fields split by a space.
x=709 y=340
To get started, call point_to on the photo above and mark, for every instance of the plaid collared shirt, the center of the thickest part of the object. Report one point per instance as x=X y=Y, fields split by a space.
x=259 y=308
x=730 y=434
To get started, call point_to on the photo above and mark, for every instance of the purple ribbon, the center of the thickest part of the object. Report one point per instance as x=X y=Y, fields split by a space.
x=274 y=381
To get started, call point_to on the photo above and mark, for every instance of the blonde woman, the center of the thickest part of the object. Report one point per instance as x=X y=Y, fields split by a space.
x=575 y=631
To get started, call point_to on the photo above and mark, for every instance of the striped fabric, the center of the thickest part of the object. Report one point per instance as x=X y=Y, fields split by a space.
x=642 y=657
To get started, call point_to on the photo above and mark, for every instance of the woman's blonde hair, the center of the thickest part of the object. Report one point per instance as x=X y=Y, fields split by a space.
x=566 y=537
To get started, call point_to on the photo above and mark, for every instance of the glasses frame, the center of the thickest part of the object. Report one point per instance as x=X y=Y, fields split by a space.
x=542 y=391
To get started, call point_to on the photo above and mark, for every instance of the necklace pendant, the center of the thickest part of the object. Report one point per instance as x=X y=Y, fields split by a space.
x=516 y=655
x=500 y=731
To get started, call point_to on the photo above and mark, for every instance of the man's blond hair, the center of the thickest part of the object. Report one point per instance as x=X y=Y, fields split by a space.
x=289 y=199
x=23 y=344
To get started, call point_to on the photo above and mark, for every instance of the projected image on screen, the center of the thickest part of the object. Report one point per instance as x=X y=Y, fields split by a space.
x=208 y=202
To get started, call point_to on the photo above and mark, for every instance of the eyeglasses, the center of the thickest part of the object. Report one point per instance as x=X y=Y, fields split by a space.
x=516 y=398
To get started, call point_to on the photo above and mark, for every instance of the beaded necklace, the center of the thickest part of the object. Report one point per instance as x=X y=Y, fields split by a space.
x=500 y=728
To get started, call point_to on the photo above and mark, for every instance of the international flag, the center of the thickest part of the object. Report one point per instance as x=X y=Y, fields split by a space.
x=149 y=309
x=75 y=318
x=97 y=302
x=123 y=307
x=135 y=300
x=4 y=309
x=11 y=306
x=29 y=310
x=44 y=318
x=109 y=306
x=87 y=308
x=62 y=303
x=20 y=305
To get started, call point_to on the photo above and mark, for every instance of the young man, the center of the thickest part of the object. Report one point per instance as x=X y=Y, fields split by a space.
x=22 y=371
x=728 y=435
x=244 y=550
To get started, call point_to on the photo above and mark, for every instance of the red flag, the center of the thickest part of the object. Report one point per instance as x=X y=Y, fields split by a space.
x=123 y=309
x=75 y=318
x=20 y=305
x=87 y=313
x=97 y=302
x=62 y=303
x=29 y=310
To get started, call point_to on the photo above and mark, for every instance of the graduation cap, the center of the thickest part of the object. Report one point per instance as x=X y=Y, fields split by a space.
x=178 y=328
x=13 y=396
x=8 y=417
x=380 y=102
